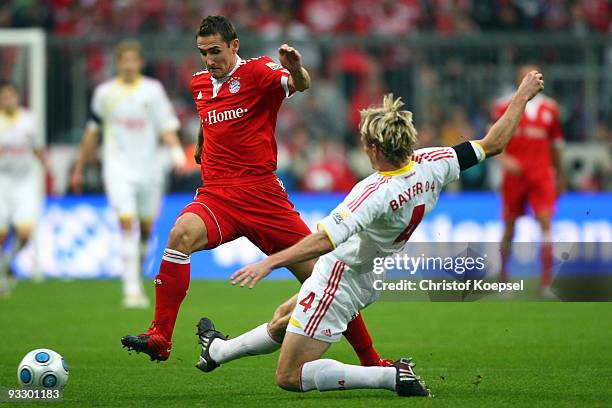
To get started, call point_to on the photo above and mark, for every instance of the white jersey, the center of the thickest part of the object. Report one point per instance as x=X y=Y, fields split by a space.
x=380 y=213
x=132 y=116
x=18 y=140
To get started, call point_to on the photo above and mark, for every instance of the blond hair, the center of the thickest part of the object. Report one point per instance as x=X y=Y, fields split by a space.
x=390 y=129
x=128 y=45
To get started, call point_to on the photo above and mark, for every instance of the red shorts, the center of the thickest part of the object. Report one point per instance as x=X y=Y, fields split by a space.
x=256 y=207
x=537 y=190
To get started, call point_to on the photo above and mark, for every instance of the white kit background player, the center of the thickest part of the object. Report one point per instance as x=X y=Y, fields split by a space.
x=376 y=219
x=22 y=160
x=132 y=112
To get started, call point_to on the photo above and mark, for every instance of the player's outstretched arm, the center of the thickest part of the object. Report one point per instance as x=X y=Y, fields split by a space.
x=87 y=151
x=171 y=139
x=501 y=132
x=310 y=247
x=291 y=60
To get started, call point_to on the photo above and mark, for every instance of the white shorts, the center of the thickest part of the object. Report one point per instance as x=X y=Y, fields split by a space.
x=133 y=199
x=326 y=302
x=21 y=200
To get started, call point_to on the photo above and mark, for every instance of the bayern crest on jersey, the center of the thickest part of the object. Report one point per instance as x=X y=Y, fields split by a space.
x=234 y=86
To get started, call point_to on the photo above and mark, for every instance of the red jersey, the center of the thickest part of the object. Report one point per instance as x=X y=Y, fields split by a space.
x=538 y=130
x=238 y=118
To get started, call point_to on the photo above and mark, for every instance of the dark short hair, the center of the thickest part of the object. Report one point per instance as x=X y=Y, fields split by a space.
x=212 y=25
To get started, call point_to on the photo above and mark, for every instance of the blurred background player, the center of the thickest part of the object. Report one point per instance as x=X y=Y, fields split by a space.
x=131 y=112
x=532 y=174
x=375 y=220
x=238 y=102
x=21 y=178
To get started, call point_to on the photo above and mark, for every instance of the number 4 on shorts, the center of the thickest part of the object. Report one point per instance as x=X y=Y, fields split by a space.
x=307 y=301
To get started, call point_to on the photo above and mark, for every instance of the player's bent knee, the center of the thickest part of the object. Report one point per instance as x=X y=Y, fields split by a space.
x=287 y=380
x=278 y=326
x=280 y=319
x=182 y=239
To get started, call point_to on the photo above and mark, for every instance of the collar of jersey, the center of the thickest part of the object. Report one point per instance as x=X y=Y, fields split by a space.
x=398 y=172
x=220 y=81
x=10 y=118
x=129 y=85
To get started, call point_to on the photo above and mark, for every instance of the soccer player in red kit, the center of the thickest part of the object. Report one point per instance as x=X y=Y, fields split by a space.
x=238 y=101
x=532 y=173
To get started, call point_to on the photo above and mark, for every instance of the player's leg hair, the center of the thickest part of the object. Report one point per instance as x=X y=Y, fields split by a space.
x=282 y=314
x=280 y=319
x=506 y=247
x=146 y=227
x=296 y=351
x=188 y=234
x=172 y=281
x=356 y=332
x=300 y=368
x=126 y=222
x=545 y=221
x=546 y=255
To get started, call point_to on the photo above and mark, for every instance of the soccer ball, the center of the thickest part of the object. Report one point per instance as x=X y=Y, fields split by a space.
x=43 y=368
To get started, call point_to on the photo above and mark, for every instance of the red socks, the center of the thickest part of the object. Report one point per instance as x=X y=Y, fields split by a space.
x=357 y=334
x=171 y=286
x=546 y=257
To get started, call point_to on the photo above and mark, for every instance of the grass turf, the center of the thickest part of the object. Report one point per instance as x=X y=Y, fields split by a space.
x=470 y=354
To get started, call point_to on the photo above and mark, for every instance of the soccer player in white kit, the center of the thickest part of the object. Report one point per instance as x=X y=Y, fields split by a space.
x=131 y=112
x=22 y=159
x=375 y=220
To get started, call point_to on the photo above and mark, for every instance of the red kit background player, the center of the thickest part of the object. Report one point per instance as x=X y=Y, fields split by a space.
x=532 y=173
x=238 y=101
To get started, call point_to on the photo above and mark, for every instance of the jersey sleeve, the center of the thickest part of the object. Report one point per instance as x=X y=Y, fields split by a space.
x=360 y=208
x=442 y=162
x=272 y=77
x=163 y=112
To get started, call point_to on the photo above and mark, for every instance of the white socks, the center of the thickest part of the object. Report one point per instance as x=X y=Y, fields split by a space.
x=131 y=264
x=254 y=342
x=331 y=375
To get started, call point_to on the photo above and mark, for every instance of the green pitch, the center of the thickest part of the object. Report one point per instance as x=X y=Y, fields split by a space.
x=470 y=354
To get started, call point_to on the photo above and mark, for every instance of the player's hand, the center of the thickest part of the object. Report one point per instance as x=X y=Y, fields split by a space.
x=532 y=84
x=290 y=58
x=251 y=273
x=76 y=180
x=181 y=170
x=511 y=165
